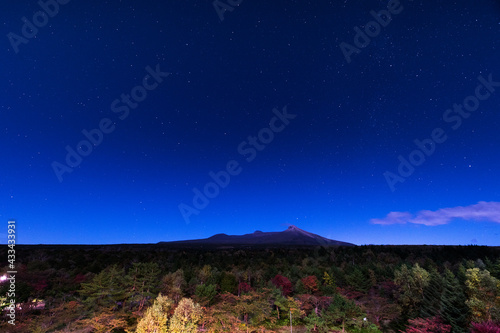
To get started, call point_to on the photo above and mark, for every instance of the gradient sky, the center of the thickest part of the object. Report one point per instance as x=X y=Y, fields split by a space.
x=227 y=79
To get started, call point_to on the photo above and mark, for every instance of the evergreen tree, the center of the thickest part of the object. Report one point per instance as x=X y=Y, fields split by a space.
x=358 y=281
x=342 y=313
x=454 y=311
x=315 y=323
x=431 y=301
x=143 y=282
x=106 y=288
x=253 y=308
x=205 y=293
x=495 y=270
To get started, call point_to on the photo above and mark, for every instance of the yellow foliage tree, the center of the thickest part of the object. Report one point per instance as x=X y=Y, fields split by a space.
x=186 y=317
x=155 y=319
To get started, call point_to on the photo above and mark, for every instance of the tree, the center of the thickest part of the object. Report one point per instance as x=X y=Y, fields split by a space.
x=186 y=317
x=155 y=319
x=495 y=270
x=107 y=320
x=427 y=325
x=293 y=306
x=144 y=282
x=431 y=300
x=216 y=319
x=328 y=287
x=453 y=309
x=315 y=323
x=283 y=283
x=205 y=274
x=482 y=291
x=106 y=288
x=311 y=283
x=411 y=283
x=328 y=279
x=205 y=293
x=342 y=312
x=358 y=281
x=173 y=285
x=380 y=310
x=282 y=306
x=252 y=308
x=485 y=327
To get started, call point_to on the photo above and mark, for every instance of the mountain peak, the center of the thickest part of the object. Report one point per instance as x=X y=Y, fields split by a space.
x=297 y=230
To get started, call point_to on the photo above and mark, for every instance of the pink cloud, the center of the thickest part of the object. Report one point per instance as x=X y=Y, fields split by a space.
x=482 y=211
x=393 y=218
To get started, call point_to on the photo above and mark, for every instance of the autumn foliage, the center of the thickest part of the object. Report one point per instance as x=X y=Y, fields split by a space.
x=283 y=283
x=427 y=325
x=150 y=289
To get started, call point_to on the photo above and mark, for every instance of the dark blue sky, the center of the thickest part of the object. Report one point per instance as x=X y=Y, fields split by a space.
x=209 y=92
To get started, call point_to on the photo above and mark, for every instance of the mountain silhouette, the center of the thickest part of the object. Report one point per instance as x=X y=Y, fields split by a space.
x=293 y=236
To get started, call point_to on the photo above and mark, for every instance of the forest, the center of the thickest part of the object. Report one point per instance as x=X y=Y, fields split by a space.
x=157 y=288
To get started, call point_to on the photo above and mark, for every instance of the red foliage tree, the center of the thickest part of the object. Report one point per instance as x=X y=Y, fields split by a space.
x=427 y=325
x=243 y=287
x=486 y=327
x=283 y=283
x=311 y=283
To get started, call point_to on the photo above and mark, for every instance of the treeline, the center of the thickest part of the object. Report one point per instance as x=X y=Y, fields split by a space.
x=161 y=289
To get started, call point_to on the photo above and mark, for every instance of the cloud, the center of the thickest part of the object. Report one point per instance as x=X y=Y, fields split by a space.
x=482 y=211
x=393 y=218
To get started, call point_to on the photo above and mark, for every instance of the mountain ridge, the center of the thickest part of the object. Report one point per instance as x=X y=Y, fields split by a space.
x=292 y=236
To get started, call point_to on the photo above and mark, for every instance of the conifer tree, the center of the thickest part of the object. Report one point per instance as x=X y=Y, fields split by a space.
x=431 y=301
x=143 y=282
x=341 y=312
x=454 y=311
x=495 y=270
x=106 y=288
x=358 y=281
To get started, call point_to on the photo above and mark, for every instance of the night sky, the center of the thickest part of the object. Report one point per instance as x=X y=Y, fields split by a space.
x=140 y=122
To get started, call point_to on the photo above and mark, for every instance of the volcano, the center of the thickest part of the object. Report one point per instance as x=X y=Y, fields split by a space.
x=293 y=236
